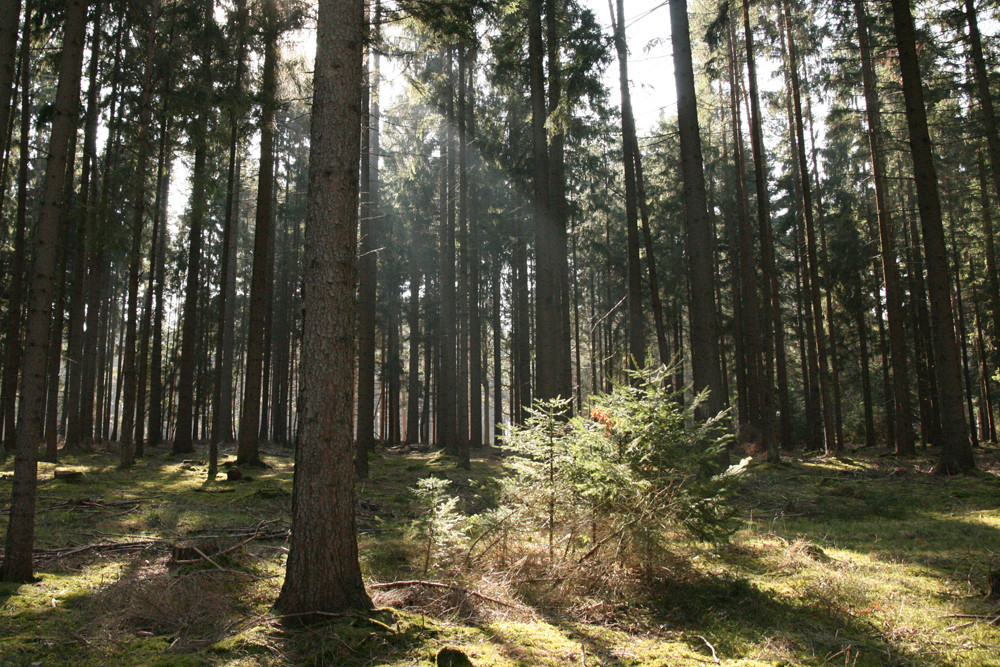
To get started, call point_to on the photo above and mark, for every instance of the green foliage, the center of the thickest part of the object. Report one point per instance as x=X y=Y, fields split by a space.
x=439 y=524
x=638 y=468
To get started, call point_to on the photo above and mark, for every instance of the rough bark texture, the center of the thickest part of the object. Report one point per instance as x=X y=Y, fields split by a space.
x=323 y=574
x=12 y=353
x=10 y=12
x=706 y=372
x=17 y=562
x=956 y=452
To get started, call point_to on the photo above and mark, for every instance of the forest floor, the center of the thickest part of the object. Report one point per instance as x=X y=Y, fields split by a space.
x=861 y=560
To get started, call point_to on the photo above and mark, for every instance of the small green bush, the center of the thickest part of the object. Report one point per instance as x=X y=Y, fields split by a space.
x=623 y=478
x=439 y=524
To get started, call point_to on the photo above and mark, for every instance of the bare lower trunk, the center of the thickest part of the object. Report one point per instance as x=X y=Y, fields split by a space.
x=323 y=574
x=17 y=562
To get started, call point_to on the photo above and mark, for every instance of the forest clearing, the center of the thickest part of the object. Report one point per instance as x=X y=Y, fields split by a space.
x=864 y=560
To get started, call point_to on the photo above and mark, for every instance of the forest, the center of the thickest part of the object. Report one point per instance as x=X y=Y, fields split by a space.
x=499 y=332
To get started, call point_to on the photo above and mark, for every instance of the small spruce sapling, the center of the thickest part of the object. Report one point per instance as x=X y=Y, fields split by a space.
x=439 y=525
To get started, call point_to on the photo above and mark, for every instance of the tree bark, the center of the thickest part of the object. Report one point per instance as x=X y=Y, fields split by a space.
x=10 y=12
x=367 y=275
x=636 y=332
x=184 y=426
x=903 y=429
x=826 y=401
x=706 y=372
x=17 y=562
x=773 y=332
x=135 y=253
x=956 y=452
x=12 y=353
x=223 y=375
x=323 y=574
x=248 y=452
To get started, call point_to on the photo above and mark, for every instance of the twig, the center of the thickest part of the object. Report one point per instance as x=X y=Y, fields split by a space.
x=710 y=648
x=207 y=557
x=437 y=584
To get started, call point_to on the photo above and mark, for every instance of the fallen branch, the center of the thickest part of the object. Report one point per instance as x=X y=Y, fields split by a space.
x=437 y=584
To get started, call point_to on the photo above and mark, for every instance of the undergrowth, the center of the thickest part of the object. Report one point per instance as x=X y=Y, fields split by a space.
x=861 y=560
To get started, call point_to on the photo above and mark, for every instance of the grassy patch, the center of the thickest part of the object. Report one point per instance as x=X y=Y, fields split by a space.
x=864 y=560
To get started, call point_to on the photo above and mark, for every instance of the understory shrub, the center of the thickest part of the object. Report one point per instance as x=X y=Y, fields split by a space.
x=619 y=483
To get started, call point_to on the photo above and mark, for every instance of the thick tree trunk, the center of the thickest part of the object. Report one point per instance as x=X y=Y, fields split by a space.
x=157 y=239
x=475 y=315
x=756 y=421
x=706 y=372
x=10 y=12
x=636 y=320
x=17 y=562
x=557 y=207
x=956 y=453
x=462 y=417
x=12 y=353
x=323 y=574
x=413 y=320
x=156 y=421
x=447 y=386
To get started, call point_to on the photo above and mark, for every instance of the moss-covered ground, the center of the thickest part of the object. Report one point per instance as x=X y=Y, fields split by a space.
x=866 y=560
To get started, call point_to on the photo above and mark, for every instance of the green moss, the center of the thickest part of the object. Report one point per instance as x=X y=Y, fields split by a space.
x=865 y=559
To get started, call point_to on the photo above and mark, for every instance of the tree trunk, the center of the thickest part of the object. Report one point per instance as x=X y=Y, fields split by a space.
x=248 y=452
x=826 y=402
x=636 y=333
x=557 y=207
x=12 y=355
x=956 y=453
x=184 y=426
x=10 y=12
x=701 y=306
x=367 y=273
x=903 y=430
x=773 y=332
x=156 y=360
x=475 y=316
x=323 y=574
x=17 y=562
x=135 y=254
x=159 y=231
x=222 y=385
x=413 y=320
